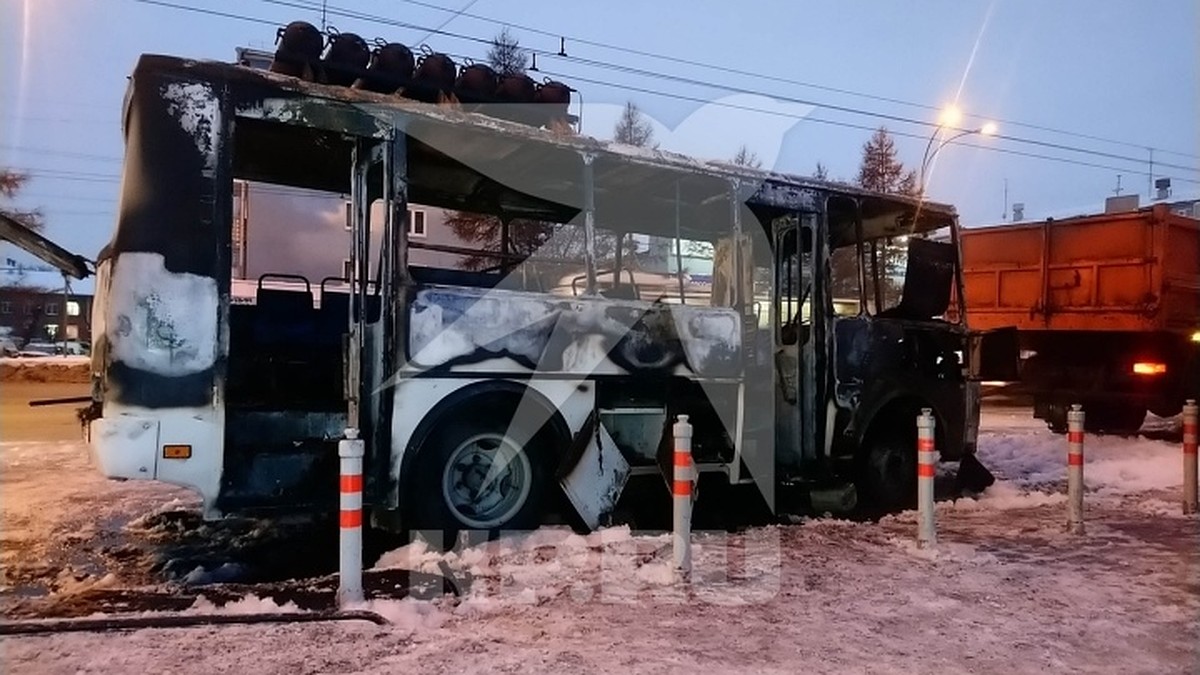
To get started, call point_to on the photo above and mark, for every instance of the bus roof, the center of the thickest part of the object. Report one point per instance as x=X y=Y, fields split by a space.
x=519 y=170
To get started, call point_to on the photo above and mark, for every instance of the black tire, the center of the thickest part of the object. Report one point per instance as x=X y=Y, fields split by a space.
x=1056 y=418
x=452 y=490
x=887 y=472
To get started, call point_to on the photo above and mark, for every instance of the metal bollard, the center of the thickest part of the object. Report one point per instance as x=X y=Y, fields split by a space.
x=926 y=470
x=1190 y=458
x=350 y=450
x=681 y=490
x=1075 y=469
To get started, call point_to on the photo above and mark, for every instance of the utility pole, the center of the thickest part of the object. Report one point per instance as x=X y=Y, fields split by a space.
x=1005 y=216
x=1117 y=191
x=1150 y=178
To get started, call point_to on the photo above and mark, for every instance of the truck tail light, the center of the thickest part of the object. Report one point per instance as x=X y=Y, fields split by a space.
x=1149 y=368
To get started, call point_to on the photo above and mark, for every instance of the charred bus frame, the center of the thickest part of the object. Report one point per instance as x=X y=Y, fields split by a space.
x=244 y=404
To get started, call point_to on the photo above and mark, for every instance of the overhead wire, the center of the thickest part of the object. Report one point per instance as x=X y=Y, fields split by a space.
x=642 y=72
x=786 y=80
x=301 y=4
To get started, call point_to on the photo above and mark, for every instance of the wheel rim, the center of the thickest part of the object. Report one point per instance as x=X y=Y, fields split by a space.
x=486 y=480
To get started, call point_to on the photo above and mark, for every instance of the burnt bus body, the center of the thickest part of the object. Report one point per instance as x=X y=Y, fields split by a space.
x=442 y=369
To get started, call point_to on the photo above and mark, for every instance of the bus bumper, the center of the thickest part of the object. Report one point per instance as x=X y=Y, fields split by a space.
x=125 y=446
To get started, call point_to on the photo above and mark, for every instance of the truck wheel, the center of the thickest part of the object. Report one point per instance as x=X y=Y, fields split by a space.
x=887 y=476
x=1056 y=418
x=473 y=476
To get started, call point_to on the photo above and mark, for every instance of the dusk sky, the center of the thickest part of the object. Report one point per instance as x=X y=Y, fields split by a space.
x=1081 y=90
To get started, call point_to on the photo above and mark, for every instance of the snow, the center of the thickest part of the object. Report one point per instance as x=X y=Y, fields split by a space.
x=160 y=321
x=48 y=360
x=249 y=604
x=1006 y=589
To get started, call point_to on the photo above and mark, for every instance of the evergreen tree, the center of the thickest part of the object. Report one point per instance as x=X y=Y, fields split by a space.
x=506 y=56
x=881 y=170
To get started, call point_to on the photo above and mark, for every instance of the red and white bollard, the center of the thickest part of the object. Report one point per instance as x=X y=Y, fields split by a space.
x=1075 y=469
x=681 y=490
x=350 y=519
x=1189 y=458
x=926 y=470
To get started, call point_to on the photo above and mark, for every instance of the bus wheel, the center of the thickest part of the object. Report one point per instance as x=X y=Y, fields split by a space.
x=887 y=474
x=475 y=477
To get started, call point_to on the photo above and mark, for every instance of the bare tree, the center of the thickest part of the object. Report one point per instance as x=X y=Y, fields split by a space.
x=747 y=157
x=11 y=182
x=633 y=128
x=822 y=173
x=506 y=55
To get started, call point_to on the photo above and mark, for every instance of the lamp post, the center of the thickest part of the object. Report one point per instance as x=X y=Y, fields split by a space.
x=949 y=118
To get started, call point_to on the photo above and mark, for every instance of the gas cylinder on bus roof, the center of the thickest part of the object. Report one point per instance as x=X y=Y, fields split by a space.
x=346 y=57
x=555 y=97
x=391 y=68
x=516 y=88
x=434 y=77
x=515 y=94
x=476 y=83
x=299 y=46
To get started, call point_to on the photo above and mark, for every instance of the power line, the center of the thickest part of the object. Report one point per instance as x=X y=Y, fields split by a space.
x=312 y=6
x=783 y=80
x=61 y=153
x=857 y=111
x=1064 y=160
x=646 y=73
x=345 y=13
x=210 y=12
x=453 y=15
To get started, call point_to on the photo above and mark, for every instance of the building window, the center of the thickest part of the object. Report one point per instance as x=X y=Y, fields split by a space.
x=5 y=307
x=52 y=329
x=51 y=309
x=72 y=332
x=349 y=216
x=416 y=222
x=72 y=308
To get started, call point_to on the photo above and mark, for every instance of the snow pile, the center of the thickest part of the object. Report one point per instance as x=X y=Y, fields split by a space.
x=1113 y=466
x=249 y=604
x=406 y=615
x=45 y=369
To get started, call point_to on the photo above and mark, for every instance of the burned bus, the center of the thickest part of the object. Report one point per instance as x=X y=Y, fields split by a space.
x=543 y=369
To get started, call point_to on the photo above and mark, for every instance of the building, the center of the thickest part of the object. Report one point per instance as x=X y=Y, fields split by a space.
x=29 y=314
x=287 y=232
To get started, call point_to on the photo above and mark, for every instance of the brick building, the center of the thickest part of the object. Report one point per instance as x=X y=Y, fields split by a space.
x=37 y=315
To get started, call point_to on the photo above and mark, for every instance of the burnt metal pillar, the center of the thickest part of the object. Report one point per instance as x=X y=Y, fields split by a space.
x=589 y=221
x=679 y=248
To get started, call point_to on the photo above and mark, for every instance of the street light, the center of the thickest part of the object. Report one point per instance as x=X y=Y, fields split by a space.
x=949 y=118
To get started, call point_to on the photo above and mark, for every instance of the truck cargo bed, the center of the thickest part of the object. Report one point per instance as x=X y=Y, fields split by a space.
x=1133 y=271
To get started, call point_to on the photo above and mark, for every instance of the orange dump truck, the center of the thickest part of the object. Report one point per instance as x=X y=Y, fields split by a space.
x=1106 y=307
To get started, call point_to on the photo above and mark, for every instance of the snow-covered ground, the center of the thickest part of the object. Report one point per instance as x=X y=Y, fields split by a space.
x=1006 y=589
